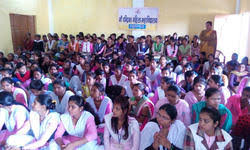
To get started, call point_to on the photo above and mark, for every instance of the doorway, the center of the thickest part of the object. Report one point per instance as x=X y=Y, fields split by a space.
x=20 y=26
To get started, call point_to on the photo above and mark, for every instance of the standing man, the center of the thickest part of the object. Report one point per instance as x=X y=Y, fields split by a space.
x=208 y=39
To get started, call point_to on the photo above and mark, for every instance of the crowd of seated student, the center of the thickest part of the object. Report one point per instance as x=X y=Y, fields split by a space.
x=113 y=93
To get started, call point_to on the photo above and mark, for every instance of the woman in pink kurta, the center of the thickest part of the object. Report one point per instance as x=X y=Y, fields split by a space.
x=13 y=116
x=18 y=93
x=172 y=49
x=80 y=125
x=237 y=104
x=121 y=131
x=173 y=98
x=198 y=92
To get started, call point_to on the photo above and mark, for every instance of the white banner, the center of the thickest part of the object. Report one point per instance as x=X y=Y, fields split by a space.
x=138 y=18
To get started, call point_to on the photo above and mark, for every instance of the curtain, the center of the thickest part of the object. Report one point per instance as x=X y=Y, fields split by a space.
x=233 y=34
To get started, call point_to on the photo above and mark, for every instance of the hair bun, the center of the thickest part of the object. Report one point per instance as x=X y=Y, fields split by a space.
x=53 y=101
x=53 y=104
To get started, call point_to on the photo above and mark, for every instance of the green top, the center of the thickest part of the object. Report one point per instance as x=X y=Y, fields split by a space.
x=158 y=47
x=185 y=50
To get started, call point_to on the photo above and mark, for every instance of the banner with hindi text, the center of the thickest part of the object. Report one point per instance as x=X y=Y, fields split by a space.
x=138 y=18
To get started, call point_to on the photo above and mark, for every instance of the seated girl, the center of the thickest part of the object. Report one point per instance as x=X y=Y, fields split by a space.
x=143 y=48
x=36 y=88
x=90 y=81
x=107 y=54
x=128 y=85
x=241 y=131
x=152 y=72
x=99 y=47
x=184 y=50
x=38 y=75
x=79 y=124
x=158 y=47
x=206 y=134
x=213 y=99
x=42 y=123
x=13 y=116
x=165 y=132
x=61 y=94
x=101 y=104
x=215 y=81
x=219 y=66
x=179 y=68
x=144 y=79
x=237 y=104
x=74 y=83
x=187 y=84
x=159 y=92
x=80 y=68
x=195 y=46
x=22 y=74
x=18 y=93
x=107 y=72
x=141 y=107
x=129 y=66
x=53 y=68
x=181 y=76
x=173 y=97
x=57 y=76
x=162 y=62
x=87 y=46
x=166 y=72
x=121 y=131
x=118 y=78
x=172 y=49
x=100 y=77
x=236 y=76
x=198 y=92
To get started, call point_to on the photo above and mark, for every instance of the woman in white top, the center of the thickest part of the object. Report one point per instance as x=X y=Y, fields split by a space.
x=128 y=85
x=101 y=104
x=42 y=123
x=206 y=134
x=121 y=131
x=118 y=78
x=61 y=95
x=164 y=132
x=12 y=116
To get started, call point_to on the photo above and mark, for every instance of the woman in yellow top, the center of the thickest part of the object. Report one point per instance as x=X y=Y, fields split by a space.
x=208 y=39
